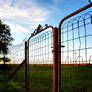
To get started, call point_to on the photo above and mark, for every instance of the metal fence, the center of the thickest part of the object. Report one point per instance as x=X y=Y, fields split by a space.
x=16 y=71
x=17 y=53
x=40 y=48
x=41 y=44
x=75 y=33
x=76 y=55
x=41 y=61
x=66 y=49
x=76 y=36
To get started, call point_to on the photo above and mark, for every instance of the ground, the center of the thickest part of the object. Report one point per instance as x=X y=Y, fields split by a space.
x=74 y=78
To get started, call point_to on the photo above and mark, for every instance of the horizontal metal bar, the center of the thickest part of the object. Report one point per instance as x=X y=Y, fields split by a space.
x=40 y=32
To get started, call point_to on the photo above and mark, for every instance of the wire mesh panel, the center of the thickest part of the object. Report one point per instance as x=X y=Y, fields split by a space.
x=16 y=74
x=76 y=56
x=41 y=49
x=17 y=53
x=41 y=60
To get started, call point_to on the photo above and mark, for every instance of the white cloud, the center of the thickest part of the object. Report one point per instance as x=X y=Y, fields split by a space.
x=23 y=16
x=16 y=42
x=22 y=12
x=30 y=15
x=18 y=28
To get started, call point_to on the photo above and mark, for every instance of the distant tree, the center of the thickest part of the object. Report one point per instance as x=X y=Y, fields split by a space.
x=5 y=40
x=5 y=59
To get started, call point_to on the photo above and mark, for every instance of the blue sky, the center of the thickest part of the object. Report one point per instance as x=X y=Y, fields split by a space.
x=23 y=16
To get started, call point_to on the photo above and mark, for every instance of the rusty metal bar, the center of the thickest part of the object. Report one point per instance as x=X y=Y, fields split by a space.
x=39 y=31
x=26 y=66
x=16 y=70
x=28 y=57
x=55 y=59
x=59 y=41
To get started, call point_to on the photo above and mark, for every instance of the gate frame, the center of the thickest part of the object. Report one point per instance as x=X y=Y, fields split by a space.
x=55 y=57
x=59 y=41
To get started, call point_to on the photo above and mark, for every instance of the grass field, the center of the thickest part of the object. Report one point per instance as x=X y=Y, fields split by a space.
x=74 y=78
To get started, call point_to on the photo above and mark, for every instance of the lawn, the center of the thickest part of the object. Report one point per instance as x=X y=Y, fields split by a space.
x=74 y=78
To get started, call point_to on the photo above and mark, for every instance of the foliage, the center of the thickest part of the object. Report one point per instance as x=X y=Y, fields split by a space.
x=5 y=40
x=4 y=59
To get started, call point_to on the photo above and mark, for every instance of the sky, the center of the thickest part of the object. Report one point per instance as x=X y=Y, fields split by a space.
x=23 y=16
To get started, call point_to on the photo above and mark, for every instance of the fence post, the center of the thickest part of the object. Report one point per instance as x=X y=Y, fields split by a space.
x=26 y=66
x=55 y=59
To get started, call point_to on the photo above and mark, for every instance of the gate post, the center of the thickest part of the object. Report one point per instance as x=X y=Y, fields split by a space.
x=26 y=65
x=55 y=59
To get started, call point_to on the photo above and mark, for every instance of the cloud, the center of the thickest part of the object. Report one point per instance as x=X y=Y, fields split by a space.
x=23 y=16
x=16 y=42
x=18 y=12
x=16 y=28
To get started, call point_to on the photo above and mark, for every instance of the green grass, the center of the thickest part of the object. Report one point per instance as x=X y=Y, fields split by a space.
x=74 y=78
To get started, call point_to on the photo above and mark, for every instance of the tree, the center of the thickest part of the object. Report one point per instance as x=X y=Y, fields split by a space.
x=5 y=39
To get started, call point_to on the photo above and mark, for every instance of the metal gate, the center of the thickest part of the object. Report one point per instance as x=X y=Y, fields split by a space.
x=75 y=35
x=42 y=60
x=71 y=47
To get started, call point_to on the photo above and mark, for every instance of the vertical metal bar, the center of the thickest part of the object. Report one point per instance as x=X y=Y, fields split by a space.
x=28 y=61
x=55 y=59
x=62 y=44
x=45 y=46
x=42 y=51
x=48 y=45
x=59 y=59
x=26 y=65
x=67 y=43
x=79 y=39
x=85 y=40
x=73 y=42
